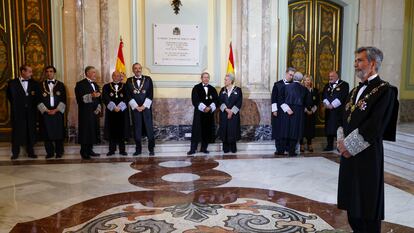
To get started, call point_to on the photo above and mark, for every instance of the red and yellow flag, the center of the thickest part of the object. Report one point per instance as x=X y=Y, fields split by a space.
x=120 y=63
x=230 y=64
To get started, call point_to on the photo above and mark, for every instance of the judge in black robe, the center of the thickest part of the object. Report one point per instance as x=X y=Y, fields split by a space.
x=310 y=114
x=52 y=108
x=230 y=101
x=369 y=110
x=88 y=97
x=295 y=100
x=334 y=95
x=277 y=114
x=139 y=95
x=116 y=114
x=204 y=98
x=23 y=95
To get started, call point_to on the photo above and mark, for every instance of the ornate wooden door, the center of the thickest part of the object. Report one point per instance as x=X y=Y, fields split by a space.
x=25 y=38
x=314 y=47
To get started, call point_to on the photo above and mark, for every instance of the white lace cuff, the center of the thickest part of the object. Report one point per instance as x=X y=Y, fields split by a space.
x=42 y=108
x=355 y=143
x=274 y=107
x=213 y=107
x=285 y=107
x=336 y=103
x=87 y=98
x=235 y=109
x=133 y=104
x=223 y=107
x=61 y=107
x=147 y=103
x=201 y=107
x=122 y=106
x=111 y=106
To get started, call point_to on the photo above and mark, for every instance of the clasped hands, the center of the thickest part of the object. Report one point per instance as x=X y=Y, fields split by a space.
x=342 y=149
x=229 y=113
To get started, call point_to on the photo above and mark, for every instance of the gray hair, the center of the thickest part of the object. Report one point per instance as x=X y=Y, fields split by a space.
x=373 y=54
x=290 y=69
x=298 y=76
x=231 y=77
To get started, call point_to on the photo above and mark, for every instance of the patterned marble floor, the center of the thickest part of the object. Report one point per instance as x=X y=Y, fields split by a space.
x=235 y=193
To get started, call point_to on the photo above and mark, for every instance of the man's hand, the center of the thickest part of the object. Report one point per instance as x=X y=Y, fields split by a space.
x=290 y=112
x=329 y=106
x=116 y=109
x=51 y=112
x=274 y=114
x=229 y=113
x=140 y=109
x=96 y=94
x=207 y=109
x=342 y=149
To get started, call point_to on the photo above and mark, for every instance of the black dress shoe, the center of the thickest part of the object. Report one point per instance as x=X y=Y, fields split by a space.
x=205 y=151
x=233 y=151
x=136 y=153
x=123 y=153
x=226 y=151
x=58 y=156
x=32 y=156
x=93 y=154
x=49 y=156
x=191 y=152
x=86 y=157
x=110 y=153
x=14 y=157
x=151 y=153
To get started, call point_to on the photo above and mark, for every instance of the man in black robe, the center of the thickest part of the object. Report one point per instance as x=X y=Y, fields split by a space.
x=139 y=95
x=230 y=100
x=368 y=111
x=277 y=113
x=52 y=107
x=88 y=97
x=295 y=100
x=116 y=114
x=23 y=95
x=204 y=98
x=334 y=96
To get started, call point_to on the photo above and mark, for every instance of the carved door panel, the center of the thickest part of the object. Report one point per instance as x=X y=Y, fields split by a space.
x=25 y=38
x=314 y=47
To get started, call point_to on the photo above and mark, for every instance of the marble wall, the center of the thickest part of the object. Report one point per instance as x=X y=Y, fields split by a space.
x=255 y=28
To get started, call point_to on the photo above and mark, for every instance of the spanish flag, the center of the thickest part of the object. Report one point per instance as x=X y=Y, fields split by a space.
x=230 y=64
x=120 y=63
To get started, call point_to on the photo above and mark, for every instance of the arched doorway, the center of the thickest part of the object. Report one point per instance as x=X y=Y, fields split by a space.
x=315 y=39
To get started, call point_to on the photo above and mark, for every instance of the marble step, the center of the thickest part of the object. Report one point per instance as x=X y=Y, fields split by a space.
x=406 y=148
x=398 y=159
x=404 y=137
x=169 y=147
x=399 y=171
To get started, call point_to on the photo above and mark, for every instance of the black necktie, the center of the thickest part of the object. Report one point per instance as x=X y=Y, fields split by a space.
x=25 y=80
x=49 y=82
x=205 y=85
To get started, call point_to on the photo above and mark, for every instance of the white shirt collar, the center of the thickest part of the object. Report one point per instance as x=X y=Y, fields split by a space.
x=372 y=77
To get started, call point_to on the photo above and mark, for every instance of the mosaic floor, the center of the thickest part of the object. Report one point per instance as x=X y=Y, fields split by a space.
x=235 y=193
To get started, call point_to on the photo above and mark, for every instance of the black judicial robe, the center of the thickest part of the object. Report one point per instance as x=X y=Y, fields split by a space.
x=361 y=177
x=297 y=98
x=143 y=123
x=88 y=121
x=23 y=111
x=116 y=123
x=333 y=117
x=229 y=129
x=278 y=89
x=203 y=123
x=52 y=126
x=310 y=120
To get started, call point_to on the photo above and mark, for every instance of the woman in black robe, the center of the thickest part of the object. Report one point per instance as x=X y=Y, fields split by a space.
x=310 y=114
x=230 y=101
